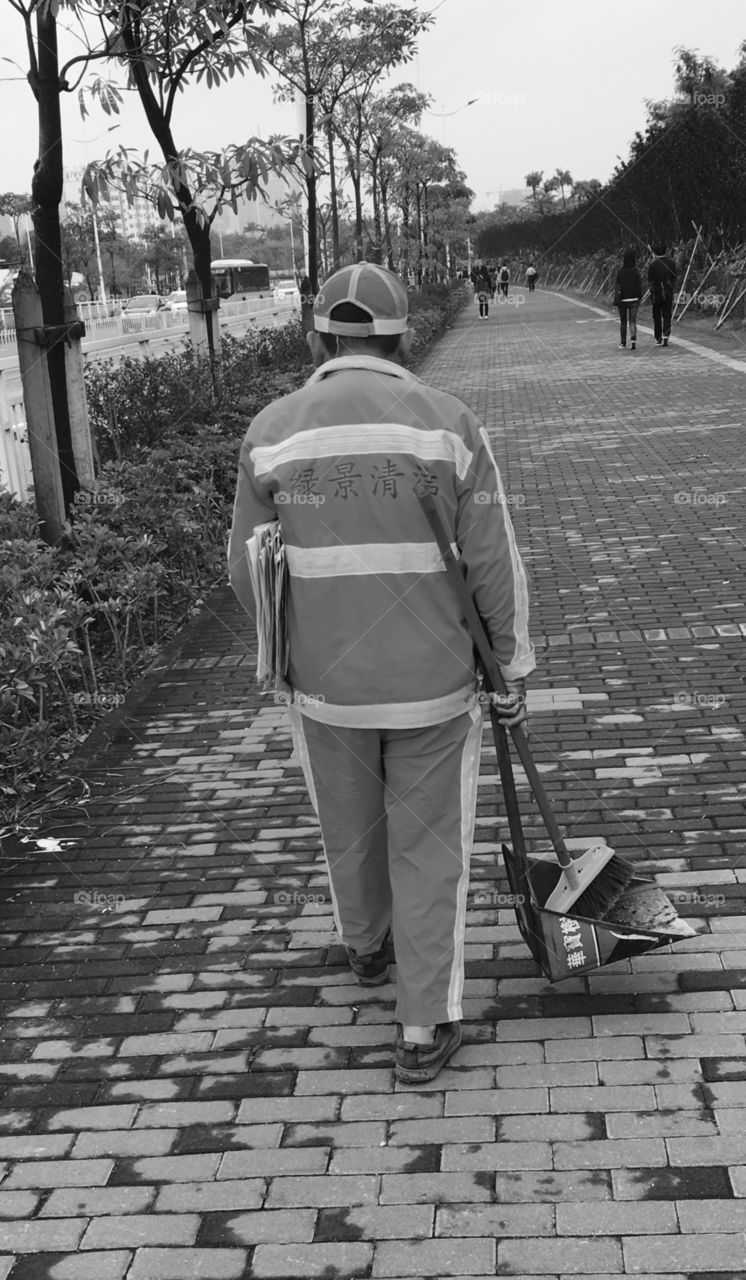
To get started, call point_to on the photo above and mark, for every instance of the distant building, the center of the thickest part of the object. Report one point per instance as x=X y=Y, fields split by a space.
x=262 y=212
x=132 y=220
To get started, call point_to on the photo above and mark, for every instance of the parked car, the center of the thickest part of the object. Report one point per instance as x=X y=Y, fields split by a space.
x=177 y=301
x=284 y=289
x=144 y=304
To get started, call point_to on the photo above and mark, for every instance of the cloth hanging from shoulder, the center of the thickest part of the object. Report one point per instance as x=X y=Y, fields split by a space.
x=267 y=560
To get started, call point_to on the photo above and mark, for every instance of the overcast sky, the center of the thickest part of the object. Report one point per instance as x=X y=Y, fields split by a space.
x=559 y=83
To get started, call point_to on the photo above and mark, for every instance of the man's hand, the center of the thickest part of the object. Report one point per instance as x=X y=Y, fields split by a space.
x=511 y=707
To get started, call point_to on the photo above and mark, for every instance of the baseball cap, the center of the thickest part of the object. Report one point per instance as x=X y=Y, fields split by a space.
x=374 y=290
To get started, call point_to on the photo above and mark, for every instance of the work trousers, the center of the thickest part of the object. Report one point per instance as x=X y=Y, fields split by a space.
x=396 y=809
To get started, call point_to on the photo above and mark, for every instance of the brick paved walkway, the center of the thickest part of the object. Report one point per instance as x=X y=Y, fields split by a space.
x=193 y=1088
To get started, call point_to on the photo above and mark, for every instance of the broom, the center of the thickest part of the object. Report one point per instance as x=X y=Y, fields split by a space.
x=590 y=882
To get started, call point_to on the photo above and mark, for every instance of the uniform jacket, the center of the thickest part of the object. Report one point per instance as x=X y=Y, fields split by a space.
x=376 y=636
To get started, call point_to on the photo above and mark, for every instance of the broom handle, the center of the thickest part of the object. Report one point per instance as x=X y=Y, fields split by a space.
x=493 y=679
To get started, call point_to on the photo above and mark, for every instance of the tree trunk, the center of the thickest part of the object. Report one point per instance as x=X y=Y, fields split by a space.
x=313 y=230
x=386 y=224
x=46 y=197
x=405 y=242
x=333 y=194
x=377 y=228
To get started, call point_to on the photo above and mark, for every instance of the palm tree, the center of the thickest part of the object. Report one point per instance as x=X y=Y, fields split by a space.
x=564 y=179
x=534 y=181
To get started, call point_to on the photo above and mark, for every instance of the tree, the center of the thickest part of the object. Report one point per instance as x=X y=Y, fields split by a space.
x=47 y=82
x=534 y=181
x=16 y=207
x=331 y=53
x=383 y=116
x=164 y=47
x=563 y=179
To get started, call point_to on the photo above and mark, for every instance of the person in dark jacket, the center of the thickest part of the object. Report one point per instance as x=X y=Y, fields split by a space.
x=483 y=290
x=661 y=279
x=627 y=295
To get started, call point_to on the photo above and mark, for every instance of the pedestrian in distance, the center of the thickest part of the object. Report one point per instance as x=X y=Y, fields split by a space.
x=483 y=289
x=531 y=277
x=627 y=297
x=503 y=276
x=382 y=694
x=661 y=279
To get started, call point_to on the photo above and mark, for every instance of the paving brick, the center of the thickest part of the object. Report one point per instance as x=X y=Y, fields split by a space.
x=698 y=1183
x=497 y=1155
x=42 y=1237
x=134 y=1231
x=84 y=1203
x=730 y=1150
x=111 y=1117
x=111 y=1265
x=614 y=1154
x=595 y=1050
x=211 y=1197
x=129 y=1142
x=188 y=1264
x=36 y=1146
x=405 y=1106
x=17 y=1204
x=687 y=1253
x=376 y=1222
x=706 y=1216
x=496 y=1101
x=344 y=1082
x=663 y=1124
x=568 y=1256
x=435 y=1188
x=59 y=1173
x=496 y=1220
x=628 y=1217
x=308 y=1260
x=364 y=1134
x=287 y=1192
x=253 y=1110
x=165 y=1115
x=170 y=1168
x=268 y=1163
x=137 y=1046
x=435 y=1258
x=291 y=1226
x=457 y=1129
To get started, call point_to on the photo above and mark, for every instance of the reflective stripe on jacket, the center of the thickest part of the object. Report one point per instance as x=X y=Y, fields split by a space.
x=376 y=637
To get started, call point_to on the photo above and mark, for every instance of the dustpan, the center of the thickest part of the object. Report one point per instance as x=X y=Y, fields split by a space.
x=566 y=945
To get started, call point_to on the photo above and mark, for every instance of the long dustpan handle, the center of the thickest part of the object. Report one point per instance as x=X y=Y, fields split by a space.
x=493 y=679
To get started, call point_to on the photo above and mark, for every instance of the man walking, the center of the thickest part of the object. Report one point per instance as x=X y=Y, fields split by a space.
x=504 y=278
x=383 y=693
x=661 y=278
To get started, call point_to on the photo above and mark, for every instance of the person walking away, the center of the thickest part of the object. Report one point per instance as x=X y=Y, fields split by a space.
x=381 y=681
x=504 y=277
x=531 y=274
x=484 y=292
x=627 y=296
x=661 y=279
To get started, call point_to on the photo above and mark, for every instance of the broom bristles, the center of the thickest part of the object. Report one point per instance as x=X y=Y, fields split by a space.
x=608 y=886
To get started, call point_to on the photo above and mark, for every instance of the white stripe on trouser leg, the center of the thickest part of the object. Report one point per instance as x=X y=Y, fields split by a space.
x=470 y=758
x=304 y=759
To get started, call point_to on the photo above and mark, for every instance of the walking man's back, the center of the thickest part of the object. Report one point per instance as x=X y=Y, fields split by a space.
x=384 y=712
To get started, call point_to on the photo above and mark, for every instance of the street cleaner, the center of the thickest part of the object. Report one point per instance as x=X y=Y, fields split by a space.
x=384 y=707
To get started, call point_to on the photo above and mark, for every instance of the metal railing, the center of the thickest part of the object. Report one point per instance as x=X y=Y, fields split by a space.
x=15 y=459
